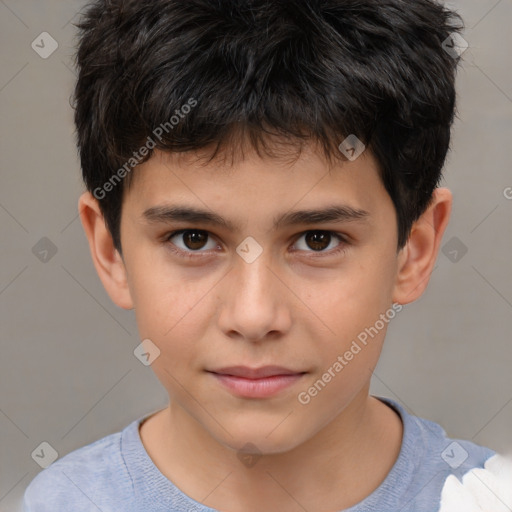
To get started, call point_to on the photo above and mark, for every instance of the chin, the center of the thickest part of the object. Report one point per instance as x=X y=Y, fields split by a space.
x=262 y=439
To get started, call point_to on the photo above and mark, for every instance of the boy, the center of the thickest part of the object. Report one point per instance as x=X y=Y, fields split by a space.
x=262 y=189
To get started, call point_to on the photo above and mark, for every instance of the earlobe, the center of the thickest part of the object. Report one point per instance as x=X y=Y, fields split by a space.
x=107 y=260
x=417 y=258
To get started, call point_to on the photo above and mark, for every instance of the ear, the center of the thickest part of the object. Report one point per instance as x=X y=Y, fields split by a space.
x=107 y=260
x=417 y=258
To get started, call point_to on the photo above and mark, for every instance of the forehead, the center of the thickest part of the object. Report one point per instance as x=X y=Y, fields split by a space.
x=189 y=185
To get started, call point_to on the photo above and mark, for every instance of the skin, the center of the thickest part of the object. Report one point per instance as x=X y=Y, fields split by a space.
x=293 y=306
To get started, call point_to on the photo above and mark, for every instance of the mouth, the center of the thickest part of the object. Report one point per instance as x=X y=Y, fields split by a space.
x=261 y=382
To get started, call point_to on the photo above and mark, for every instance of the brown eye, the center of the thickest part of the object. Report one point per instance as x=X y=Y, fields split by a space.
x=191 y=240
x=195 y=239
x=320 y=242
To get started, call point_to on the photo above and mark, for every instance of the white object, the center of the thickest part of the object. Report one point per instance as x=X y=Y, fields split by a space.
x=487 y=489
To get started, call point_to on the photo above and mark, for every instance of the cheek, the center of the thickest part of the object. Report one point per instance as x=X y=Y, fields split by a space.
x=164 y=293
x=350 y=306
x=351 y=300
x=346 y=369
x=173 y=312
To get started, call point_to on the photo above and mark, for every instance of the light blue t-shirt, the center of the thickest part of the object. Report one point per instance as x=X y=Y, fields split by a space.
x=116 y=474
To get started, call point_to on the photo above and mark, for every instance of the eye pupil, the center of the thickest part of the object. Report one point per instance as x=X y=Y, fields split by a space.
x=195 y=239
x=316 y=240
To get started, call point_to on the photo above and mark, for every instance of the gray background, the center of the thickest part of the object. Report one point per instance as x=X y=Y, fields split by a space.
x=68 y=375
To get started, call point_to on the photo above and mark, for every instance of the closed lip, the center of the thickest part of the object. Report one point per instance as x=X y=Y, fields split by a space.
x=255 y=373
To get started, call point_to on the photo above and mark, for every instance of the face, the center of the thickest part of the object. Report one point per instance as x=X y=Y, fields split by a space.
x=252 y=283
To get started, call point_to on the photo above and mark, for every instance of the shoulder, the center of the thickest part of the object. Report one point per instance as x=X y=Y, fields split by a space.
x=428 y=458
x=91 y=476
x=442 y=453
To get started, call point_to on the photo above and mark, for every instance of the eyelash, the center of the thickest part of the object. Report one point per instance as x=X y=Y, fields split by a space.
x=341 y=248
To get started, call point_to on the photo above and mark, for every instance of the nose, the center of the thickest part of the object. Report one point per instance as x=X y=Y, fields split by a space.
x=254 y=304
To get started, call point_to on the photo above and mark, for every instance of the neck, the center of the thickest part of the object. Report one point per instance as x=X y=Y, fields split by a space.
x=345 y=461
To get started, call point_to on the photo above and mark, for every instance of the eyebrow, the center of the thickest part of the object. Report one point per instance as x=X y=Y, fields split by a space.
x=177 y=213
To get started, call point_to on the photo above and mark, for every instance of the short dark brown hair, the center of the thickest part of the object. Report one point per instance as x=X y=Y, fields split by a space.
x=302 y=70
